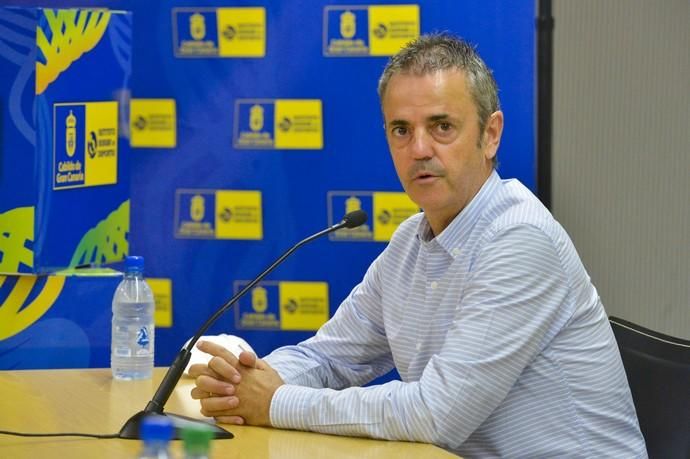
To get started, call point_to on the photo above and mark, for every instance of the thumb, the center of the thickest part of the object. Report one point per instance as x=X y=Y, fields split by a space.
x=248 y=359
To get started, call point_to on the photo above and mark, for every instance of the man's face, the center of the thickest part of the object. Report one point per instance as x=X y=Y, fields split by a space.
x=432 y=128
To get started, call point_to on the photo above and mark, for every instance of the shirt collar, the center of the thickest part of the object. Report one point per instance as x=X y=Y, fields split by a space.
x=455 y=235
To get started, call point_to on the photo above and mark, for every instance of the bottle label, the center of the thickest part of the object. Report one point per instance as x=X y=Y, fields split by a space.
x=143 y=337
x=120 y=351
x=132 y=341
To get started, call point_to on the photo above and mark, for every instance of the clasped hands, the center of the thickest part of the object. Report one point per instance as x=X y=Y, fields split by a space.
x=234 y=390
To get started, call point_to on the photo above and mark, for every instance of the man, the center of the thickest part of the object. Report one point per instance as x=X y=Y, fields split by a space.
x=480 y=302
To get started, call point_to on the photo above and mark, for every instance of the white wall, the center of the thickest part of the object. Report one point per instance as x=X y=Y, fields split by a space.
x=621 y=152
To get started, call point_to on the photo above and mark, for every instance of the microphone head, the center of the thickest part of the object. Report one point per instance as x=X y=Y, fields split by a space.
x=355 y=219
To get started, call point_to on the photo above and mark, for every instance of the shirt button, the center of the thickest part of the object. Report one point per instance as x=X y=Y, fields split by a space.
x=418 y=346
x=433 y=285
x=455 y=252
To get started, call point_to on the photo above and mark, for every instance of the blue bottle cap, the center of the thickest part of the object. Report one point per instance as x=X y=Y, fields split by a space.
x=156 y=428
x=134 y=264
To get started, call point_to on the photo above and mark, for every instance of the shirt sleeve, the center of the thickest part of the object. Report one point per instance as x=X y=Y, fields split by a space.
x=351 y=349
x=512 y=301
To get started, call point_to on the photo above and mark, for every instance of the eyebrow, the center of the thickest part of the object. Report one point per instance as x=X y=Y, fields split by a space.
x=441 y=116
x=432 y=118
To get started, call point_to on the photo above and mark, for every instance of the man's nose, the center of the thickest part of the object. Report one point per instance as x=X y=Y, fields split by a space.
x=421 y=147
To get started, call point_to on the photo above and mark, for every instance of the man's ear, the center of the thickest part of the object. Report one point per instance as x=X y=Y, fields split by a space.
x=492 y=134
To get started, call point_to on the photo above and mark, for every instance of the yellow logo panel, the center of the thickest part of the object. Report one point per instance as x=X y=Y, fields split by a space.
x=368 y=30
x=162 y=292
x=84 y=144
x=278 y=124
x=303 y=305
x=390 y=210
x=153 y=123
x=101 y=146
x=219 y=32
x=241 y=32
x=298 y=124
x=218 y=214
x=386 y=210
x=282 y=305
x=238 y=215
x=391 y=27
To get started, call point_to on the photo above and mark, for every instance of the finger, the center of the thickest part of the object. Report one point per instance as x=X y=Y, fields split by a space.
x=248 y=359
x=237 y=420
x=211 y=385
x=199 y=369
x=224 y=369
x=217 y=350
x=198 y=393
x=218 y=406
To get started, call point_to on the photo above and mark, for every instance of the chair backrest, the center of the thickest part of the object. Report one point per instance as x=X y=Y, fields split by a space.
x=658 y=370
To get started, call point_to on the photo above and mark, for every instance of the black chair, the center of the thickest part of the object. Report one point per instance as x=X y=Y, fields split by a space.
x=658 y=370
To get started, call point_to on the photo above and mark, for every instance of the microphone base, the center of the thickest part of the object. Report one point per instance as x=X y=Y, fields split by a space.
x=130 y=430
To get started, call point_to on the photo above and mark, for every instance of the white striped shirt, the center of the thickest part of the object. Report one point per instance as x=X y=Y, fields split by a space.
x=501 y=341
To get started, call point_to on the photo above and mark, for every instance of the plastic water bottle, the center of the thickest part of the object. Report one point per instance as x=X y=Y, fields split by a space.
x=131 y=350
x=155 y=432
x=197 y=441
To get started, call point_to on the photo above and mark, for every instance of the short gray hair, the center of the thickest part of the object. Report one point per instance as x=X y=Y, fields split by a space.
x=443 y=51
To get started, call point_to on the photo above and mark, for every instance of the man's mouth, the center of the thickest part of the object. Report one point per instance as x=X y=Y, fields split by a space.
x=425 y=172
x=424 y=177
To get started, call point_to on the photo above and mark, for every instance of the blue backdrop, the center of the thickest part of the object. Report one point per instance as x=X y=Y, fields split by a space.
x=294 y=183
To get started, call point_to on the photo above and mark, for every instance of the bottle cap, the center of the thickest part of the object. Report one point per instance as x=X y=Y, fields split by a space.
x=156 y=428
x=197 y=438
x=134 y=264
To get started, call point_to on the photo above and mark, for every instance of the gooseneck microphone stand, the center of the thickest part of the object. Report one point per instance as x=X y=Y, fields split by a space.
x=131 y=428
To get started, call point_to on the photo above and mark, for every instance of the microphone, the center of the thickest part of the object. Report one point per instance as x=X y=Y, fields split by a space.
x=354 y=219
x=130 y=429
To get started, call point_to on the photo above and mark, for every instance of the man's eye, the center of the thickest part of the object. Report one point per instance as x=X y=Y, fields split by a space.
x=443 y=127
x=399 y=131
